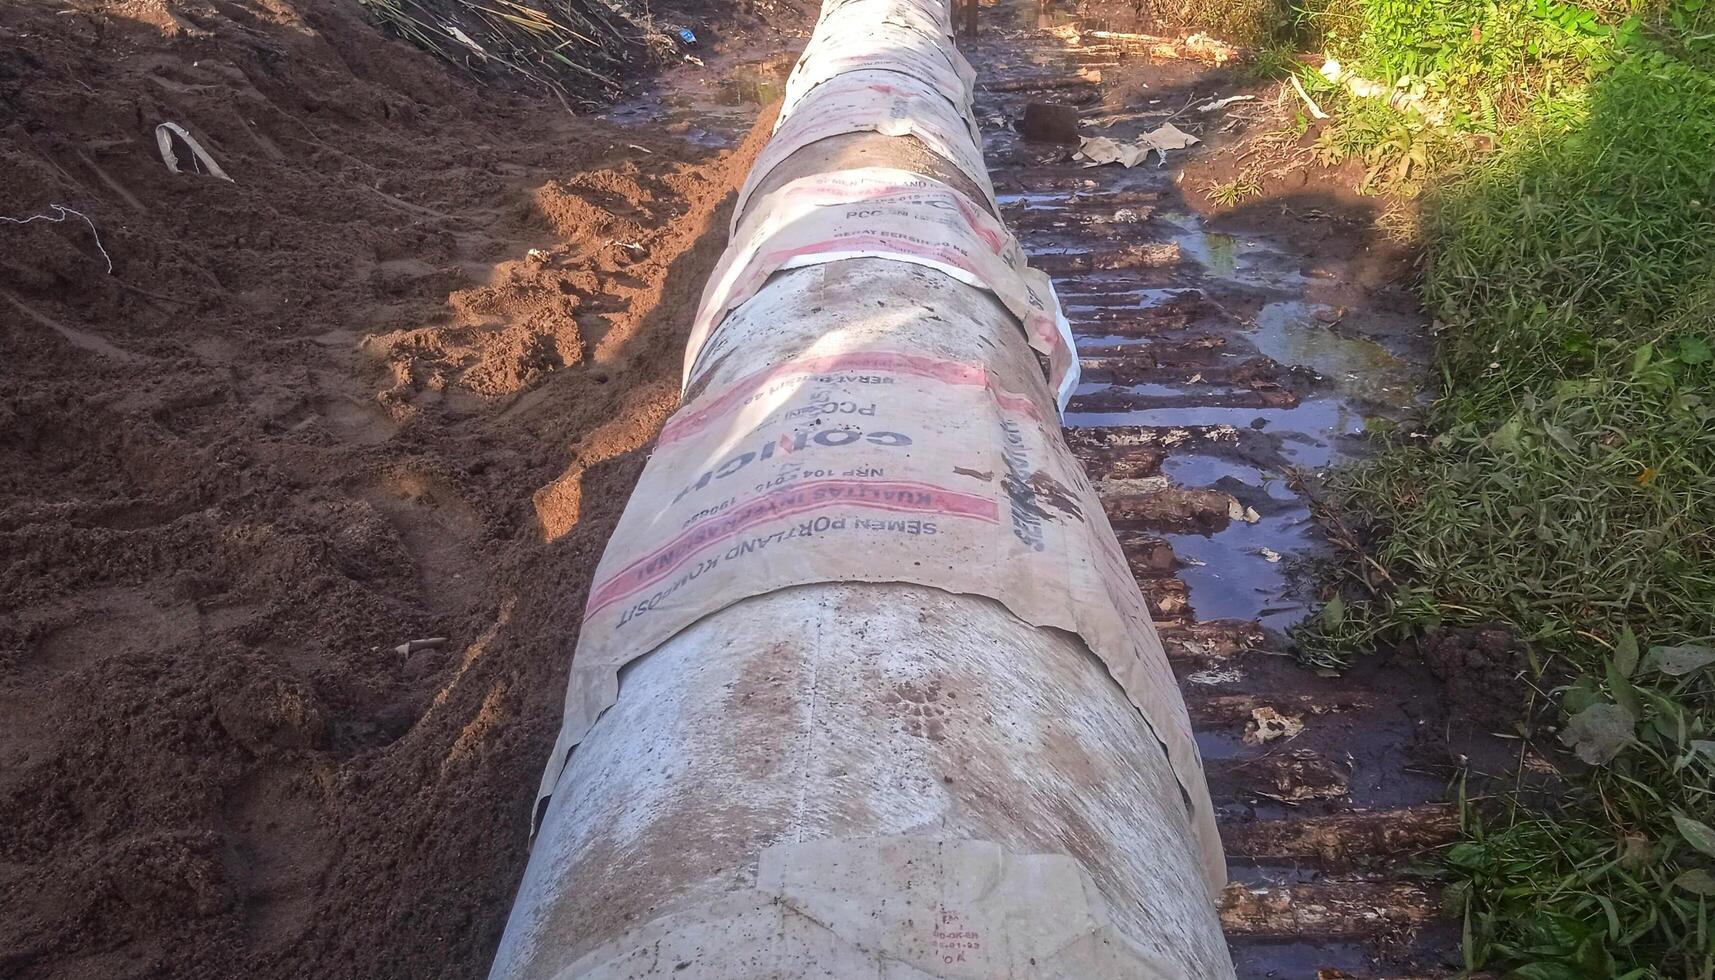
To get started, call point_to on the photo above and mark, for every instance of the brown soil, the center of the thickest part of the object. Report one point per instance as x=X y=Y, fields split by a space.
x=1484 y=671
x=392 y=382
x=1257 y=22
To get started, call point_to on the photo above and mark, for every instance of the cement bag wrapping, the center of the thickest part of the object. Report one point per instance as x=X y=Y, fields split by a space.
x=885 y=102
x=885 y=213
x=898 y=907
x=853 y=456
x=932 y=12
x=854 y=38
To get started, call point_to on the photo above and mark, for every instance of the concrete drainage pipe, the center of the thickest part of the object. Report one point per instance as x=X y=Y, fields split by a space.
x=865 y=688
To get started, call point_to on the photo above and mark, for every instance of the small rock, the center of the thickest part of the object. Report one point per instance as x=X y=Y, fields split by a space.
x=1049 y=122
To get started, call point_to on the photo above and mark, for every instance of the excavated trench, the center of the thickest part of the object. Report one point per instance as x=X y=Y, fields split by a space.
x=1222 y=358
x=1226 y=360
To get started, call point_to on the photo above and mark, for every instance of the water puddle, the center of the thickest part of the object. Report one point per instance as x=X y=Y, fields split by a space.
x=1218 y=253
x=1309 y=433
x=1295 y=332
x=1235 y=259
x=704 y=106
x=753 y=84
x=1232 y=576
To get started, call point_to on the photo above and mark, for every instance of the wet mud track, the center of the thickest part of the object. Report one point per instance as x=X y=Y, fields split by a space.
x=1224 y=361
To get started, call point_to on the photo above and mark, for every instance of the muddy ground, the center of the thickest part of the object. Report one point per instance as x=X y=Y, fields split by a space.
x=395 y=380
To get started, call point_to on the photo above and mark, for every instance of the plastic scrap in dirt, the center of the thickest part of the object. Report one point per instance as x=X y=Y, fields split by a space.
x=61 y=213
x=1214 y=105
x=1407 y=94
x=1239 y=512
x=1097 y=150
x=1268 y=724
x=1309 y=103
x=1216 y=675
x=412 y=646
x=170 y=135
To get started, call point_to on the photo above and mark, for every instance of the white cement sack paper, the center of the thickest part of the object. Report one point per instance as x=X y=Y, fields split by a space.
x=899 y=907
x=865 y=456
x=887 y=47
x=886 y=213
x=927 y=11
x=881 y=34
x=885 y=102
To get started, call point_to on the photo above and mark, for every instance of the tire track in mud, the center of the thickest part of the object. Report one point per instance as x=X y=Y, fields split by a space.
x=1218 y=367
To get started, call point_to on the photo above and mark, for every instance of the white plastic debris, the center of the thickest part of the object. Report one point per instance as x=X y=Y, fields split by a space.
x=1309 y=103
x=1214 y=105
x=1267 y=724
x=1098 y=150
x=164 y=134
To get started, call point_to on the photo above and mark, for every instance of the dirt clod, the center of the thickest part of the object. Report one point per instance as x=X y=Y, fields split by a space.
x=1049 y=122
x=1484 y=671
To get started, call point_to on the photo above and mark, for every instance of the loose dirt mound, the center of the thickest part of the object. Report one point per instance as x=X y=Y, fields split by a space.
x=389 y=383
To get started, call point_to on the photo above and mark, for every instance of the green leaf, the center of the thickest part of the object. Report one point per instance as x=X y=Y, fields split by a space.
x=1623 y=692
x=1334 y=613
x=1468 y=854
x=1626 y=653
x=1547 y=970
x=1679 y=661
x=1599 y=733
x=1697 y=882
x=1506 y=437
x=1669 y=717
x=1694 y=350
x=1582 y=694
x=1562 y=437
x=1641 y=358
x=1696 y=833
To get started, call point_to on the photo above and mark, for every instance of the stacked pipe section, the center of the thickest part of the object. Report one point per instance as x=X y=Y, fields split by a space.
x=865 y=687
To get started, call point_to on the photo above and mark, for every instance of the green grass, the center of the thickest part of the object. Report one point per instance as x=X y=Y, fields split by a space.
x=1246 y=22
x=1562 y=484
x=1232 y=193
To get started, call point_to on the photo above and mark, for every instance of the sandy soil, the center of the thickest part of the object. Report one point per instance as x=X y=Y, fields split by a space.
x=392 y=382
